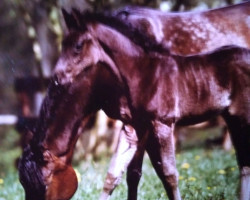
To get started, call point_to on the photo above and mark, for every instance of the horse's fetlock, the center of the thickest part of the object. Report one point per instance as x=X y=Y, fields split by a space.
x=110 y=183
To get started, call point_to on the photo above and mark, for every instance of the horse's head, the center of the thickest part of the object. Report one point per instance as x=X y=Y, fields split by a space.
x=45 y=167
x=82 y=51
x=46 y=177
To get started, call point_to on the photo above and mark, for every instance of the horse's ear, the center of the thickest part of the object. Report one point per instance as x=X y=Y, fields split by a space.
x=79 y=19
x=73 y=20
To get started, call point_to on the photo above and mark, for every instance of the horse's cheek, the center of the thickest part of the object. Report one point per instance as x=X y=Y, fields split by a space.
x=52 y=190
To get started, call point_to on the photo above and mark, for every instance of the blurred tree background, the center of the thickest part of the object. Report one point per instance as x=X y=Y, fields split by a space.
x=30 y=36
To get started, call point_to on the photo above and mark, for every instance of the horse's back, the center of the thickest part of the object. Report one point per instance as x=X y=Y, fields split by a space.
x=193 y=32
x=144 y=11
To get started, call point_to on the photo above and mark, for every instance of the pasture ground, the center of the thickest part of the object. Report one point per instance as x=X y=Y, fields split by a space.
x=205 y=174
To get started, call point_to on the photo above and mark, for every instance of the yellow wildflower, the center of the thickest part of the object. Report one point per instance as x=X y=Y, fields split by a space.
x=197 y=157
x=78 y=175
x=181 y=177
x=232 y=151
x=192 y=178
x=1 y=181
x=233 y=168
x=185 y=165
x=208 y=188
x=221 y=171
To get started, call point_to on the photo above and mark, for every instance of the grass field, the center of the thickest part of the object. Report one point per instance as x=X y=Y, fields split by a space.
x=204 y=174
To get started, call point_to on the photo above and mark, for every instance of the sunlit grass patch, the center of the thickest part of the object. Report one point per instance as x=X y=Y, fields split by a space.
x=214 y=176
x=204 y=175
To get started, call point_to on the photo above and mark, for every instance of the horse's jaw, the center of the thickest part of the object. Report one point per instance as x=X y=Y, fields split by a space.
x=63 y=185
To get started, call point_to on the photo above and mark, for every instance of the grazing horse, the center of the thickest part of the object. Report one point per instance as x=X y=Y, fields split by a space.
x=106 y=64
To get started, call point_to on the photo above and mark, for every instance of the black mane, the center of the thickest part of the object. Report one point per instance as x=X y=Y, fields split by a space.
x=49 y=107
x=30 y=175
x=123 y=26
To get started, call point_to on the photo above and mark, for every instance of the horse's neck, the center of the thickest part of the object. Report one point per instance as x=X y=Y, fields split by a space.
x=116 y=41
x=123 y=52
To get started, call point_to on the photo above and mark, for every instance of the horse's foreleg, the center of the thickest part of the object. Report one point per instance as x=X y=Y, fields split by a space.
x=134 y=173
x=245 y=183
x=125 y=151
x=240 y=135
x=161 y=150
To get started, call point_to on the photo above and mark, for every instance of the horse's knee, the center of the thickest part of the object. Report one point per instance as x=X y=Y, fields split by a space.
x=134 y=176
x=170 y=176
x=172 y=180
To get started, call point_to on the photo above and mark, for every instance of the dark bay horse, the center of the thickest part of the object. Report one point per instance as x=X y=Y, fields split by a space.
x=183 y=33
x=143 y=84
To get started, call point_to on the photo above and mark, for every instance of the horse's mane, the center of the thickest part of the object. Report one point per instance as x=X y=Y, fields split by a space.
x=136 y=35
x=49 y=107
x=31 y=176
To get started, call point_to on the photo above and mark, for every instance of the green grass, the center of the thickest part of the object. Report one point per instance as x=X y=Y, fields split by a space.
x=205 y=174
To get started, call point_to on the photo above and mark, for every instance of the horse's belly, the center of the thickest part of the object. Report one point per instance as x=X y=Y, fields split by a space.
x=195 y=111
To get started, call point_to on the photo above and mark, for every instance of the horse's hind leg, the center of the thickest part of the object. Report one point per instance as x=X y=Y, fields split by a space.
x=134 y=171
x=240 y=134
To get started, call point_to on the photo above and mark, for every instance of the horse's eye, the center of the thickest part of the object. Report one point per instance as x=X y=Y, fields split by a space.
x=78 y=47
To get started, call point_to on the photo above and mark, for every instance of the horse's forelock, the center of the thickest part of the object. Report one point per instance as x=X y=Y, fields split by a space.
x=30 y=175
